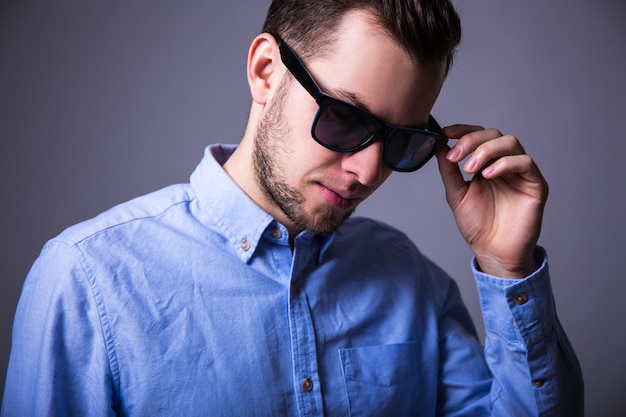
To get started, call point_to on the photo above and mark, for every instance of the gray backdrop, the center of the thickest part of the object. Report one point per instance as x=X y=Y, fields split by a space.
x=102 y=101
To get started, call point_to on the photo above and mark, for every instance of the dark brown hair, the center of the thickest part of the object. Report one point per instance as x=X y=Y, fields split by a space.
x=428 y=30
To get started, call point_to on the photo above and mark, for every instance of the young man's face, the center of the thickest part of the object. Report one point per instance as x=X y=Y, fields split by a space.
x=315 y=188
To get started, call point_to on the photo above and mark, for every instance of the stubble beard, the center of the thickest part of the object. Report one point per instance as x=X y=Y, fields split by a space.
x=271 y=149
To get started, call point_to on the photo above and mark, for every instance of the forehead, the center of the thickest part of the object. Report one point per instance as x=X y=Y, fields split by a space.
x=364 y=65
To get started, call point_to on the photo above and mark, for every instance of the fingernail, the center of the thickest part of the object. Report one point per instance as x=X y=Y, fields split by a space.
x=488 y=171
x=454 y=154
x=470 y=165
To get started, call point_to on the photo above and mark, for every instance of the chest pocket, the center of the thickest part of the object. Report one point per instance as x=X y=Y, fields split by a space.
x=382 y=380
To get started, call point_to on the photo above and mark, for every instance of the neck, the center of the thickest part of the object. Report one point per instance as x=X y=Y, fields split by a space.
x=240 y=168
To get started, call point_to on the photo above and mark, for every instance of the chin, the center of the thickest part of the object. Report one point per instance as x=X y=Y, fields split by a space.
x=328 y=221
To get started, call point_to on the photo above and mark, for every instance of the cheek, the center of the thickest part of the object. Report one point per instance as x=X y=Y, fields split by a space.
x=300 y=110
x=306 y=158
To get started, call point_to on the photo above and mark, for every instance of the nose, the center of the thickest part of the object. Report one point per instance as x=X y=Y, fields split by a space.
x=367 y=164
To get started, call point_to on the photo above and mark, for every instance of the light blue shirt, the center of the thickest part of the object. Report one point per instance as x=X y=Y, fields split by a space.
x=190 y=302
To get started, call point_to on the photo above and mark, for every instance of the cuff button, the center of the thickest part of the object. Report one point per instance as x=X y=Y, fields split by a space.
x=520 y=299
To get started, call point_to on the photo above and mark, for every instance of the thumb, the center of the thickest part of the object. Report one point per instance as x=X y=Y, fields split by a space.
x=453 y=180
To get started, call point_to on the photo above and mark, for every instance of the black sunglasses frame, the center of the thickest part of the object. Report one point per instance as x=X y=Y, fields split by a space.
x=301 y=74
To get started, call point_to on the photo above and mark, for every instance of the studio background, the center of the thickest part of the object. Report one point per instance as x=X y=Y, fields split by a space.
x=104 y=101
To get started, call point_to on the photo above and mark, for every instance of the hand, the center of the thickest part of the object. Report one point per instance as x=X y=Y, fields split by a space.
x=499 y=211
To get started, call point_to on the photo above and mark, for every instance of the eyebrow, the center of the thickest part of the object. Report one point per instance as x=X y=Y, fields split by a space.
x=353 y=99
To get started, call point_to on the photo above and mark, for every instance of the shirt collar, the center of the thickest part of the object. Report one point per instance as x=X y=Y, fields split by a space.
x=222 y=205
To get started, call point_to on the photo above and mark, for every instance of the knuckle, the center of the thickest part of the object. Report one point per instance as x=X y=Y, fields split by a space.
x=494 y=132
x=514 y=143
x=510 y=138
x=526 y=159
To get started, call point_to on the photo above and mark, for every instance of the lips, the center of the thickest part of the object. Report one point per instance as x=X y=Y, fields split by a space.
x=340 y=199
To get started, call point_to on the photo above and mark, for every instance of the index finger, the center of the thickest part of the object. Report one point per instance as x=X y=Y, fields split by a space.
x=457 y=131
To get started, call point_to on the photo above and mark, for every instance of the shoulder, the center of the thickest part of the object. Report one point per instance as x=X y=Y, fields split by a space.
x=131 y=213
x=365 y=238
x=112 y=242
x=375 y=243
x=373 y=231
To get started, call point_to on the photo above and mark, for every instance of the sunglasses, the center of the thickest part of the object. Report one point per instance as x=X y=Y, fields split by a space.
x=344 y=127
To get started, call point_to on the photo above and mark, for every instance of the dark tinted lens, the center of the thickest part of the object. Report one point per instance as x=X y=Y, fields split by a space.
x=342 y=126
x=406 y=150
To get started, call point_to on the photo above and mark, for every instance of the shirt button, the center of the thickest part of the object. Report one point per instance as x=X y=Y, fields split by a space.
x=538 y=383
x=520 y=299
x=307 y=384
x=294 y=288
x=244 y=244
x=275 y=233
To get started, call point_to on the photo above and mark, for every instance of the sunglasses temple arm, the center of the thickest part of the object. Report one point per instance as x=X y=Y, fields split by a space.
x=295 y=66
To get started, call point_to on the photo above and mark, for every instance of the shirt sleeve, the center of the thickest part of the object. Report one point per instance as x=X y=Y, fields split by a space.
x=534 y=368
x=59 y=364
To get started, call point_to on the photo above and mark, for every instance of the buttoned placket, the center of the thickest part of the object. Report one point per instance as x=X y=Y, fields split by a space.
x=291 y=269
x=303 y=341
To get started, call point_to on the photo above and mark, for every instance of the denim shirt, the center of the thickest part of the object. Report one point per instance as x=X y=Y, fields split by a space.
x=190 y=302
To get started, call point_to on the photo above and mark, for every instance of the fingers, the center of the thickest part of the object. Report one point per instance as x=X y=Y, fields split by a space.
x=458 y=130
x=485 y=147
x=489 y=152
x=453 y=181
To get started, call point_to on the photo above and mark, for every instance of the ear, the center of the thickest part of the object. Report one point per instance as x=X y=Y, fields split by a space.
x=261 y=69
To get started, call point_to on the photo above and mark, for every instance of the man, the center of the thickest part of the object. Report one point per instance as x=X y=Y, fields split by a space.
x=250 y=292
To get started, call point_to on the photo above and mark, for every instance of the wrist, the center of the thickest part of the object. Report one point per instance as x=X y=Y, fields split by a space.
x=506 y=269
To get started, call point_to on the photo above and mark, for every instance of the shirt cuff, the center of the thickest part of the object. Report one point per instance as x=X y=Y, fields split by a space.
x=519 y=310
